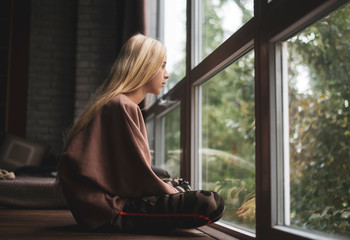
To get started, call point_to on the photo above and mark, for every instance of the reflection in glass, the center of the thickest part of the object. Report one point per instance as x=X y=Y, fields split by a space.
x=227 y=140
x=318 y=73
x=220 y=19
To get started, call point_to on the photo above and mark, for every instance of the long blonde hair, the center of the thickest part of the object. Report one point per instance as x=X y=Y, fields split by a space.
x=138 y=61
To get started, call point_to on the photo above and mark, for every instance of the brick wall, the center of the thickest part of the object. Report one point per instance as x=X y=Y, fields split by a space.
x=72 y=48
x=96 y=47
x=51 y=71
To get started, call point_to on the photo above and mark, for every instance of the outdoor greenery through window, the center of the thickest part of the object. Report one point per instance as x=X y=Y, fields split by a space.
x=170 y=137
x=318 y=71
x=173 y=34
x=227 y=140
x=151 y=138
x=301 y=144
x=219 y=20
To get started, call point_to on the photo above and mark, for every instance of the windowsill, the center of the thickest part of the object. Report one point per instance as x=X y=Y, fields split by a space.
x=216 y=233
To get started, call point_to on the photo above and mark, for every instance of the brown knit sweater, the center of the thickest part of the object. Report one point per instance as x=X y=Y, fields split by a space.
x=108 y=162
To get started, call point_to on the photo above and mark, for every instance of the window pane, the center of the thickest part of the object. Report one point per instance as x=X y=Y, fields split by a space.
x=227 y=140
x=170 y=154
x=151 y=138
x=173 y=34
x=319 y=130
x=220 y=19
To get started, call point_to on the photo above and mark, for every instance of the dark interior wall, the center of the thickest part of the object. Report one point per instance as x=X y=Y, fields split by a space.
x=96 y=47
x=72 y=47
x=51 y=76
x=53 y=55
x=14 y=19
x=5 y=27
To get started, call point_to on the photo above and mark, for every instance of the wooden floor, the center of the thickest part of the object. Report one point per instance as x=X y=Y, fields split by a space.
x=59 y=224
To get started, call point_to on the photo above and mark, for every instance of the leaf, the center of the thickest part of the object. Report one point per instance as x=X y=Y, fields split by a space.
x=314 y=216
x=236 y=197
x=229 y=193
x=345 y=214
x=325 y=210
x=247 y=210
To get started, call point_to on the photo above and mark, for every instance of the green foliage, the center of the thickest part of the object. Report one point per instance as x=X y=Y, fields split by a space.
x=212 y=32
x=218 y=165
x=172 y=142
x=228 y=139
x=228 y=123
x=318 y=120
x=239 y=197
x=319 y=126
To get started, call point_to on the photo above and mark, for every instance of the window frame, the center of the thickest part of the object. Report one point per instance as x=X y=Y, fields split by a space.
x=273 y=21
x=278 y=115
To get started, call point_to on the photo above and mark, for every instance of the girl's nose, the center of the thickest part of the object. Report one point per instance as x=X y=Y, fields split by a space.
x=166 y=75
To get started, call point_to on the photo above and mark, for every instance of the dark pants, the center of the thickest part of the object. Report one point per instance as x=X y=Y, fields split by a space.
x=162 y=213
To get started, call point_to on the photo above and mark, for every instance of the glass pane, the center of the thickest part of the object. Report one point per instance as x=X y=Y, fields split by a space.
x=319 y=128
x=173 y=34
x=220 y=19
x=227 y=140
x=171 y=135
x=151 y=138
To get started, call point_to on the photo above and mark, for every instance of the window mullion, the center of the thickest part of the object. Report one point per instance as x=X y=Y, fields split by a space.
x=285 y=132
x=196 y=33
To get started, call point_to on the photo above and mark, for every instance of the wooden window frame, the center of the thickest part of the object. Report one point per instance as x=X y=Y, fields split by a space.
x=272 y=21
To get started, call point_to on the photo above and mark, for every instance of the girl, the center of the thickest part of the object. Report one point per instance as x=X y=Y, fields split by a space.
x=105 y=171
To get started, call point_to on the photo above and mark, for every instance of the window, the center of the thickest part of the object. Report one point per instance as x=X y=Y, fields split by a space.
x=218 y=20
x=164 y=140
x=226 y=151
x=150 y=126
x=172 y=31
x=315 y=94
x=170 y=135
x=258 y=110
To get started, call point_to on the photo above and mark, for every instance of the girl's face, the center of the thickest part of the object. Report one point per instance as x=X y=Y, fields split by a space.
x=156 y=83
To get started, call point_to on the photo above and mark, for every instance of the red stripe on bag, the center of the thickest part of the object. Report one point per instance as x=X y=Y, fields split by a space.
x=166 y=215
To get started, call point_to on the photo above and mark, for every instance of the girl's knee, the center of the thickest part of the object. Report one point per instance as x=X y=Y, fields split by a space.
x=211 y=204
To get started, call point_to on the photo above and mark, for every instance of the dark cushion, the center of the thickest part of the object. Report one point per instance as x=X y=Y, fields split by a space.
x=16 y=152
x=28 y=192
